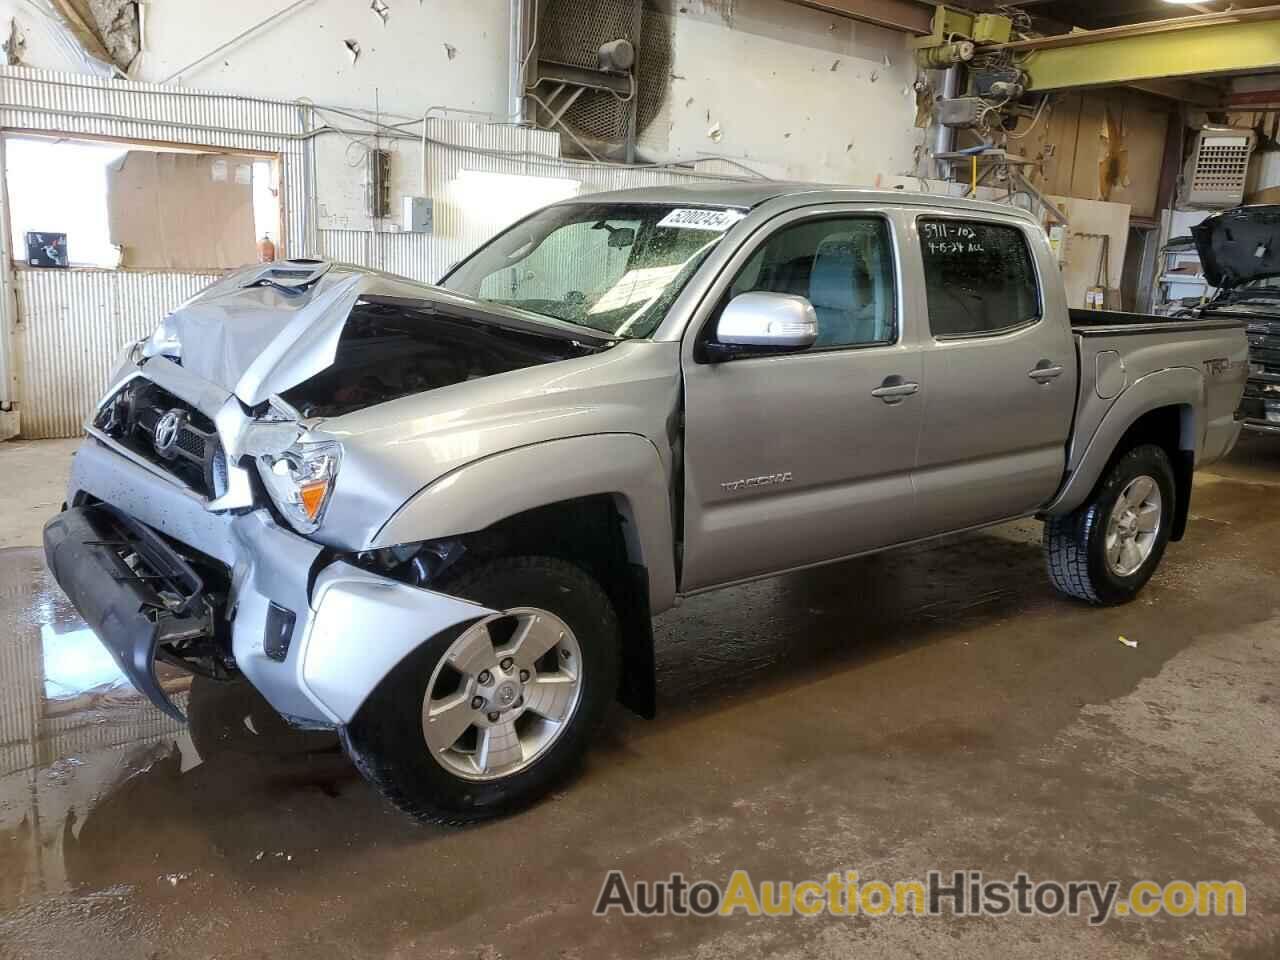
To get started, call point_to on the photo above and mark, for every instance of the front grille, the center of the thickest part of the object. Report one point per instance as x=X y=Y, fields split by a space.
x=168 y=432
x=192 y=443
x=1265 y=352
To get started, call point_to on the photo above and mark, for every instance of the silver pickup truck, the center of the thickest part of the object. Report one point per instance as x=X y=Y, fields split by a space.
x=439 y=519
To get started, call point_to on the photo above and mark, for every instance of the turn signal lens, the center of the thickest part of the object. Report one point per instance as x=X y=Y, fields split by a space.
x=312 y=497
x=300 y=481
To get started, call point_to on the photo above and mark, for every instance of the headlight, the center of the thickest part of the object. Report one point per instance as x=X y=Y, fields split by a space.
x=300 y=481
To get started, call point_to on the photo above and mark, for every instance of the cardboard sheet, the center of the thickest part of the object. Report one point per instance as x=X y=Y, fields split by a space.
x=182 y=211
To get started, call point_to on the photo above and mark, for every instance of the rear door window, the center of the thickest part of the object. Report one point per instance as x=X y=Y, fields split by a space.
x=979 y=277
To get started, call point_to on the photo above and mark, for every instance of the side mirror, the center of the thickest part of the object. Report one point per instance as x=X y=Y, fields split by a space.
x=768 y=321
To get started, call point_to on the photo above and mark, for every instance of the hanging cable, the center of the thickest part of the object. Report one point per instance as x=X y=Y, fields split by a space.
x=1034 y=121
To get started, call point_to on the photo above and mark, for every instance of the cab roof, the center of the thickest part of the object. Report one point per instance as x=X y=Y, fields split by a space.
x=752 y=193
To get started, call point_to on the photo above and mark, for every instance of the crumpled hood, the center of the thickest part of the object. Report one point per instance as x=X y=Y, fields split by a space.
x=265 y=329
x=254 y=338
x=1239 y=245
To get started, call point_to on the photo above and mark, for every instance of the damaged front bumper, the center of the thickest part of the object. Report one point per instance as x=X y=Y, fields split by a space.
x=1260 y=406
x=135 y=591
x=313 y=634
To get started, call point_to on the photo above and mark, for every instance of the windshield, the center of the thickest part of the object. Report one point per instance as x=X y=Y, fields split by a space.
x=612 y=267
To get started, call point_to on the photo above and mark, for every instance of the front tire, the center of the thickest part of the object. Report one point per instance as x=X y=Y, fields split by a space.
x=482 y=721
x=1107 y=549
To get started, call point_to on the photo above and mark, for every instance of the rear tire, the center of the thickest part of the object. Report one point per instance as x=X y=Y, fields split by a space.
x=1107 y=549
x=433 y=775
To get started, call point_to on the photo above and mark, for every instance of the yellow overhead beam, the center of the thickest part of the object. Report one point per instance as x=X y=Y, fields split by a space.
x=1244 y=40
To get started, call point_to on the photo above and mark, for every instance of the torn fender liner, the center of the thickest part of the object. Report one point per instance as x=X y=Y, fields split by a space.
x=83 y=548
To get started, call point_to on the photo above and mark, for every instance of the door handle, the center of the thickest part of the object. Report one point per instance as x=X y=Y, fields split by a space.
x=895 y=389
x=1045 y=371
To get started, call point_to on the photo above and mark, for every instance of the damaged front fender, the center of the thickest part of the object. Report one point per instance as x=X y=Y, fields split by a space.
x=362 y=626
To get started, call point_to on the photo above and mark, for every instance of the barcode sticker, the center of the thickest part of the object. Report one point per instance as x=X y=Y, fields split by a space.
x=693 y=219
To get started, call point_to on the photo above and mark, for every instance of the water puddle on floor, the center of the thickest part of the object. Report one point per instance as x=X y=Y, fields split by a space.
x=84 y=758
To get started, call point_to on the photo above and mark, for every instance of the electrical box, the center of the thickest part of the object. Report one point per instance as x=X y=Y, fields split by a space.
x=960 y=112
x=992 y=28
x=377 y=183
x=1218 y=167
x=983 y=79
x=417 y=215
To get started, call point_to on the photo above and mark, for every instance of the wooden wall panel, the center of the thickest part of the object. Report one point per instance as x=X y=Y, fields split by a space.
x=1054 y=143
x=1090 y=147
x=1145 y=127
x=1071 y=144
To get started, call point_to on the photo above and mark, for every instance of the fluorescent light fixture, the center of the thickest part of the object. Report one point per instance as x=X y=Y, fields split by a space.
x=491 y=201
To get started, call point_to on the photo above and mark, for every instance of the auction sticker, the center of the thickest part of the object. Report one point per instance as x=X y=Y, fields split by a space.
x=694 y=219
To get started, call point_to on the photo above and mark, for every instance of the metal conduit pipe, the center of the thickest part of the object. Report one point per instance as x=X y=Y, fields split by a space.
x=523 y=26
x=944 y=137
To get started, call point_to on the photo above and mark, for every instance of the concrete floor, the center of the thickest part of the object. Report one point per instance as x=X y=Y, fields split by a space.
x=933 y=708
x=34 y=474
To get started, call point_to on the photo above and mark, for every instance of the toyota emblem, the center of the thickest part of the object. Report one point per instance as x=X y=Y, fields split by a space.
x=166 y=433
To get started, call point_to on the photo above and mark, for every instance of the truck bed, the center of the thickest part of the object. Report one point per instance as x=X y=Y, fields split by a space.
x=1115 y=350
x=1092 y=323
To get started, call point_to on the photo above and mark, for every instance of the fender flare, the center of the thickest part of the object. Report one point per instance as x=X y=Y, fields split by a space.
x=1171 y=387
x=477 y=495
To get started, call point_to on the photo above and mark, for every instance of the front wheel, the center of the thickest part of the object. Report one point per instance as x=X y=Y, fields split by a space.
x=483 y=721
x=1107 y=549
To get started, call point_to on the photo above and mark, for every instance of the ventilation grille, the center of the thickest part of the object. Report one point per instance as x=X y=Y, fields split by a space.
x=571 y=32
x=1220 y=168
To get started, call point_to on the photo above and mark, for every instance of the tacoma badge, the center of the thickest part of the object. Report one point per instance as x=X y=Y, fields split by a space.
x=768 y=480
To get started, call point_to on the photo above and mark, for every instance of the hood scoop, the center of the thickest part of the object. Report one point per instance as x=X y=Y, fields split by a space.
x=290 y=276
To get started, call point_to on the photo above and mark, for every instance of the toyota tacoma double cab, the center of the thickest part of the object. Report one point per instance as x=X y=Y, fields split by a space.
x=439 y=519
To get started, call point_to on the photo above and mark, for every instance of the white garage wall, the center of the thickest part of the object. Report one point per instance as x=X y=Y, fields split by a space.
x=786 y=90
x=404 y=63
x=69 y=324
x=760 y=71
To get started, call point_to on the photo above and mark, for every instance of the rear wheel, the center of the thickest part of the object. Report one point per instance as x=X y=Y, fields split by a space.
x=1106 y=550
x=484 y=720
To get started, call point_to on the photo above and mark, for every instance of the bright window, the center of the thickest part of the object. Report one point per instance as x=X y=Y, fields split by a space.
x=139 y=206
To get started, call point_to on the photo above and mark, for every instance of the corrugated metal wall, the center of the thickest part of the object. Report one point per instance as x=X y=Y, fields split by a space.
x=72 y=323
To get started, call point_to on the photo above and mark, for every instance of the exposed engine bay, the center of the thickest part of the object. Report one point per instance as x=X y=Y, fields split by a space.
x=392 y=348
